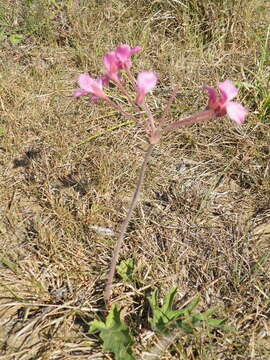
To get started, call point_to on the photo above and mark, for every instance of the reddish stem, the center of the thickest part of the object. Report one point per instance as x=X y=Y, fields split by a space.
x=119 y=108
x=198 y=117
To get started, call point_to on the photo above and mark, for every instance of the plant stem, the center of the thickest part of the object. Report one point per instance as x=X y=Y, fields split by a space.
x=131 y=78
x=115 y=256
x=146 y=108
x=198 y=117
x=119 y=108
x=125 y=92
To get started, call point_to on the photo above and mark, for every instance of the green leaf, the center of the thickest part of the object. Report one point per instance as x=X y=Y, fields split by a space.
x=165 y=319
x=163 y=315
x=2 y=131
x=114 y=334
x=126 y=269
x=16 y=38
x=192 y=305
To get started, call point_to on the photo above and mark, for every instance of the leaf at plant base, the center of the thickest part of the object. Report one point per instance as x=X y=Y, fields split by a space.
x=188 y=309
x=197 y=319
x=126 y=269
x=163 y=315
x=115 y=335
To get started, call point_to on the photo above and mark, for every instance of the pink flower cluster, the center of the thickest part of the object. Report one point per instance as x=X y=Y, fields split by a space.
x=120 y=60
x=114 y=62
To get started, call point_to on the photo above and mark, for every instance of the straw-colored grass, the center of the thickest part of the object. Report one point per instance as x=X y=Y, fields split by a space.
x=203 y=221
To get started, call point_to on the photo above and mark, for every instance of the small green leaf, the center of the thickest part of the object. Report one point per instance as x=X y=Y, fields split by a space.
x=115 y=335
x=165 y=319
x=163 y=315
x=96 y=326
x=126 y=269
x=16 y=38
x=192 y=305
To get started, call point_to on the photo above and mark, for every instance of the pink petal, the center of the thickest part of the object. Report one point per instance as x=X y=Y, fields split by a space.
x=85 y=82
x=213 y=98
x=79 y=93
x=135 y=50
x=123 y=52
x=105 y=80
x=111 y=62
x=228 y=91
x=236 y=112
x=91 y=85
x=146 y=81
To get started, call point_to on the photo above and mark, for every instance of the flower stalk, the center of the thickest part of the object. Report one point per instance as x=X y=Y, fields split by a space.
x=219 y=104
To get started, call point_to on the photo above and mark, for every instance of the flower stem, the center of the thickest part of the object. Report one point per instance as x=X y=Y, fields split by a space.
x=125 y=92
x=146 y=108
x=119 y=108
x=198 y=117
x=136 y=195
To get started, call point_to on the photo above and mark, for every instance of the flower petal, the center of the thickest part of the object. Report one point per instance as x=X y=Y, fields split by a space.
x=228 y=91
x=123 y=53
x=79 y=93
x=135 y=50
x=111 y=62
x=236 y=112
x=85 y=82
x=146 y=81
x=91 y=85
x=213 y=98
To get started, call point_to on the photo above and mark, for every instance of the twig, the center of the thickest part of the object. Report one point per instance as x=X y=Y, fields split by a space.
x=115 y=256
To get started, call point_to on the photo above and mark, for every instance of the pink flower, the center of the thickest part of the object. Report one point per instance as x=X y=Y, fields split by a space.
x=112 y=65
x=89 y=85
x=146 y=81
x=124 y=53
x=119 y=59
x=222 y=105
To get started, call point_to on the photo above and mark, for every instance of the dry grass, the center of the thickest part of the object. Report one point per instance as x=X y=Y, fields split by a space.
x=203 y=223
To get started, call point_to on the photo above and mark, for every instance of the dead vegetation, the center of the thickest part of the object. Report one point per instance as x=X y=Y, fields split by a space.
x=203 y=222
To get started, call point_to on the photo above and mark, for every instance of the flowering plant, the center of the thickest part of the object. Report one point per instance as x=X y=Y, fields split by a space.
x=118 y=62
